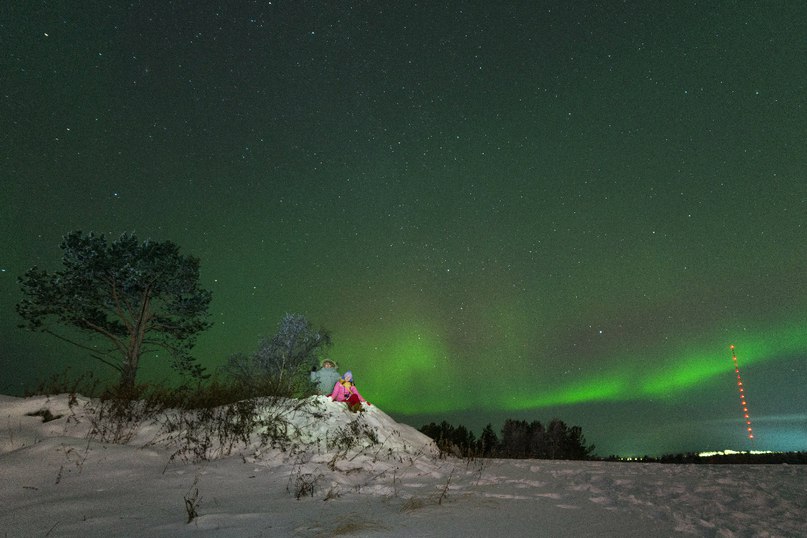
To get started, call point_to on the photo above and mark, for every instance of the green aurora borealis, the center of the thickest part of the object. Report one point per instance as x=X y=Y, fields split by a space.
x=525 y=210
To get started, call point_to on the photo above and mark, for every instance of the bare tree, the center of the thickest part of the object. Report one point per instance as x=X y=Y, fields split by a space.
x=281 y=364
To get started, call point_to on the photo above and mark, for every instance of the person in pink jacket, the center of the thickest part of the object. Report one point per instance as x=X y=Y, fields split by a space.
x=345 y=391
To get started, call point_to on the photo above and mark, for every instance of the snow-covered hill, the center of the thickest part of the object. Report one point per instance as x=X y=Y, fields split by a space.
x=340 y=473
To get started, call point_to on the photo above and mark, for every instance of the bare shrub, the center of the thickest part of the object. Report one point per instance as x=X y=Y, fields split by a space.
x=192 y=500
x=356 y=435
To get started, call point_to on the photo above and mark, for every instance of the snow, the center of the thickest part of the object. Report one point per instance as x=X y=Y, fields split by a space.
x=362 y=474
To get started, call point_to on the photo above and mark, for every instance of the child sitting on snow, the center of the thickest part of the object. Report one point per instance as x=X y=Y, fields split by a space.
x=345 y=391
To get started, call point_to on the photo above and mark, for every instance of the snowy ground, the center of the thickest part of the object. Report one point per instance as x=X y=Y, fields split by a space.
x=358 y=475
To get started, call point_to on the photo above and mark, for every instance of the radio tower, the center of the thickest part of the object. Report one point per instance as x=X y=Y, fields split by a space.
x=742 y=395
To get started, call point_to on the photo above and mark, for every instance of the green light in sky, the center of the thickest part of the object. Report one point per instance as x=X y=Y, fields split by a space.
x=685 y=371
x=407 y=370
x=599 y=389
x=692 y=368
x=420 y=376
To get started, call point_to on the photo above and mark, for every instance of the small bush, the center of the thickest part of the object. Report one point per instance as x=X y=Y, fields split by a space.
x=68 y=383
x=192 y=501
x=355 y=435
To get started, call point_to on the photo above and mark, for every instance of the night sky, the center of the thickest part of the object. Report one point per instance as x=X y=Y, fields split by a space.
x=500 y=210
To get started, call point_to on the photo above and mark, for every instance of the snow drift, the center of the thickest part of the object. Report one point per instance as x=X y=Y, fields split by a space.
x=324 y=471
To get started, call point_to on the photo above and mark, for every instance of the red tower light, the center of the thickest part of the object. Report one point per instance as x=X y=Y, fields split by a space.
x=741 y=391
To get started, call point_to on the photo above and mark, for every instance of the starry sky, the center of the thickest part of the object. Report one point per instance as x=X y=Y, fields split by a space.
x=527 y=209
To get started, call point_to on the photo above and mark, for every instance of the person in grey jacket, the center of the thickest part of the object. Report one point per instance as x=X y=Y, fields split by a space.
x=326 y=377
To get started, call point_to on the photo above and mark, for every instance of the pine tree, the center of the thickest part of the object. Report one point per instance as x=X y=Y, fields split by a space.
x=127 y=299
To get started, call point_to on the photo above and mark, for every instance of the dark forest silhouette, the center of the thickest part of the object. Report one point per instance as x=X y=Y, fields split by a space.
x=519 y=439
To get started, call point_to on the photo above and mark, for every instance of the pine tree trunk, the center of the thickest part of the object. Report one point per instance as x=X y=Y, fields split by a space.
x=128 y=374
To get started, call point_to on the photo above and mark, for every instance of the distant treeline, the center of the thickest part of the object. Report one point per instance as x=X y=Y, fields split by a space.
x=519 y=439
x=733 y=458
